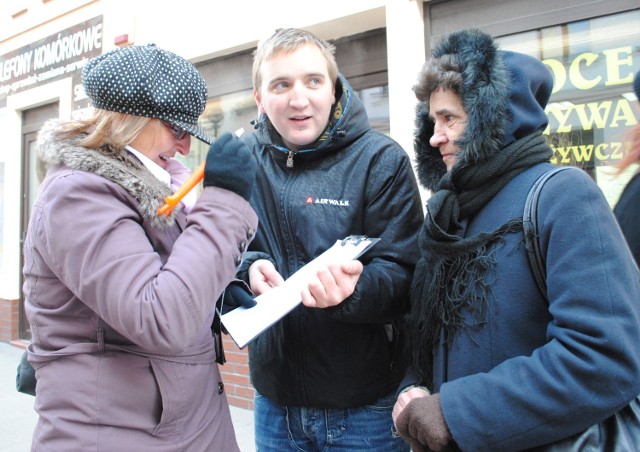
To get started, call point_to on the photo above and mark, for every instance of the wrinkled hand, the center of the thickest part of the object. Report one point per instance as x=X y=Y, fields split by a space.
x=263 y=276
x=422 y=421
x=230 y=165
x=333 y=284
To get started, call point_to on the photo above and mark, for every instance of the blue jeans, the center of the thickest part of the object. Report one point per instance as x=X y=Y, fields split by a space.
x=281 y=428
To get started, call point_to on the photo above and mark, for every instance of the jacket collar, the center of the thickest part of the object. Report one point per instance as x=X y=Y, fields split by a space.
x=120 y=167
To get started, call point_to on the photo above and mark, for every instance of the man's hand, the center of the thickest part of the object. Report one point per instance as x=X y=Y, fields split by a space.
x=263 y=276
x=333 y=284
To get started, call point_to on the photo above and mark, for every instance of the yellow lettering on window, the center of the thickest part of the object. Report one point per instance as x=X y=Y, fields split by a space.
x=583 y=152
x=623 y=113
x=597 y=118
x=563 y=117
x=559 y=75
x=575 y=74
x=616 y=58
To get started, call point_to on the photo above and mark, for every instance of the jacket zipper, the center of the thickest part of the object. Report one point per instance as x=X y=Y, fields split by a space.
x=290 y=159
x=295 y=323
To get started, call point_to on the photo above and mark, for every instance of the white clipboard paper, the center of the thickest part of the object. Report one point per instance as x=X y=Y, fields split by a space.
x=244 y=325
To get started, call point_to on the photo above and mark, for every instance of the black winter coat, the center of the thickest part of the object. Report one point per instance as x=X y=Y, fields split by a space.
x=357 y=181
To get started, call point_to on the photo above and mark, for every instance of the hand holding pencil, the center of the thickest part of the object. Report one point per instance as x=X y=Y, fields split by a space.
x=173 y=200
x=229 y=164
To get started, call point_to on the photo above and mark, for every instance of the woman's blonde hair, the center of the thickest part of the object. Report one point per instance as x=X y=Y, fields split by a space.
x=105 y=130
x=288 y=40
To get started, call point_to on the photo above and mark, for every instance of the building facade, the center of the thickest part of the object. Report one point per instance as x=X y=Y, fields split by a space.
x=592 y=48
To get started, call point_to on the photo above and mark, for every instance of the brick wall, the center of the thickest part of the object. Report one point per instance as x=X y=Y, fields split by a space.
x=235 y=375
x=9 y=320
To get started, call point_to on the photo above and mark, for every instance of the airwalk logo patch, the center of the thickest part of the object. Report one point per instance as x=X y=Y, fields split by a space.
x=330 y=202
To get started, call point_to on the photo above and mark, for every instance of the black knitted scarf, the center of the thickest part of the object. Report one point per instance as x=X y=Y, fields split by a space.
x=451 y=275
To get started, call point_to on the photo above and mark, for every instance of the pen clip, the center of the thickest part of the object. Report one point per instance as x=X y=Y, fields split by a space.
x=354 y=239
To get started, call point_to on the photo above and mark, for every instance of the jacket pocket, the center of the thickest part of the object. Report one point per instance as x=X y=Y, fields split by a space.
x=169 y=379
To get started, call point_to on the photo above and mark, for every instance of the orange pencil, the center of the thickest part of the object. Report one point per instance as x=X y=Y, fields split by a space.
x=173 y=200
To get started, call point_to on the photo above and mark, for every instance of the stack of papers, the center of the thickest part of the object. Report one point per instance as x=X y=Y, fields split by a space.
x=244 y=325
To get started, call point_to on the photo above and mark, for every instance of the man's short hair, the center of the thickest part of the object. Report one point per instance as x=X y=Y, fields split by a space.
x=287 y=40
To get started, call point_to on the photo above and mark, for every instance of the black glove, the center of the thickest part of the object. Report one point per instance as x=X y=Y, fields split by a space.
x=235 y=296
x=26 y=376
x=422 y=421
x=230 y=165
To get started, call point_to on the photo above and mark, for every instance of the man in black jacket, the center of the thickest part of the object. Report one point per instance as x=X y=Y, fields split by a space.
x=325 y=374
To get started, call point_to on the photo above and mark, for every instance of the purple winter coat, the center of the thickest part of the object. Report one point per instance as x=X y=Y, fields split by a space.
x=120 y=303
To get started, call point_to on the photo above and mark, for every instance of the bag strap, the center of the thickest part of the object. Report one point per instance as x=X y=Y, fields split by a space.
x=530 y=225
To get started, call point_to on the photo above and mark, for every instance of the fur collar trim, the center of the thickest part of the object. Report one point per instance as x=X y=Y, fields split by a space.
x=484 y=99
x=504 y=95
x=123 y=169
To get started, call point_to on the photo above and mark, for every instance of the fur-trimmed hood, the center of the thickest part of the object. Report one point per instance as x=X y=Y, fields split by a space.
x=504 y=94
x=122 y=168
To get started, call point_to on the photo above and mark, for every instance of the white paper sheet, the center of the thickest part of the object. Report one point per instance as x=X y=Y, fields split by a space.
x=244 y=325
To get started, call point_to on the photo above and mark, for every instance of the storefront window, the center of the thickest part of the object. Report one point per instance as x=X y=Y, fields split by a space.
x=593 y=107
x=228 y=113
x=376 y=103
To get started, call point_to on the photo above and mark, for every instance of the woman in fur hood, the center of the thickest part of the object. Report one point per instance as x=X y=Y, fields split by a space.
x=497 y=365
x=120 y=299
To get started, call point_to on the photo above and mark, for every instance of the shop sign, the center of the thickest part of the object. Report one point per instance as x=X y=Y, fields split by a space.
x=575 y=79
x=60 y=55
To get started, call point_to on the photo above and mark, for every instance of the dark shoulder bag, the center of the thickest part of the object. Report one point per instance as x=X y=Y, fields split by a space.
x=26 y=376
x=619 y=432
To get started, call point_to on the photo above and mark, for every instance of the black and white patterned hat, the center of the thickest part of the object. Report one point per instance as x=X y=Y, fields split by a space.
x=148 y=81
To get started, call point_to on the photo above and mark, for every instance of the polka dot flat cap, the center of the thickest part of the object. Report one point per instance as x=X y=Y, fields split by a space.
x=148 y=81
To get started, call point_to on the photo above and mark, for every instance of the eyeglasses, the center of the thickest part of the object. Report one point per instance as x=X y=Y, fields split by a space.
x=177 y=131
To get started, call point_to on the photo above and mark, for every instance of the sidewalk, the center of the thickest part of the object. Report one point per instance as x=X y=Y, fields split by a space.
x=18 y=418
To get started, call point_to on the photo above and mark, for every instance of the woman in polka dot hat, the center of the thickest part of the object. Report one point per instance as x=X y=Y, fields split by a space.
x=120 y=299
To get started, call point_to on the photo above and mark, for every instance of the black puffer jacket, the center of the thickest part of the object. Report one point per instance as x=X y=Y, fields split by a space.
x=353 y=181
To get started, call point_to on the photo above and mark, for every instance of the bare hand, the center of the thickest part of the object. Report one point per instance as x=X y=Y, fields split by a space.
x=334 y=283
x=263 y=276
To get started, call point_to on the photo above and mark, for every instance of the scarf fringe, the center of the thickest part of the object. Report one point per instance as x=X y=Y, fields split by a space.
x=446 y=287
